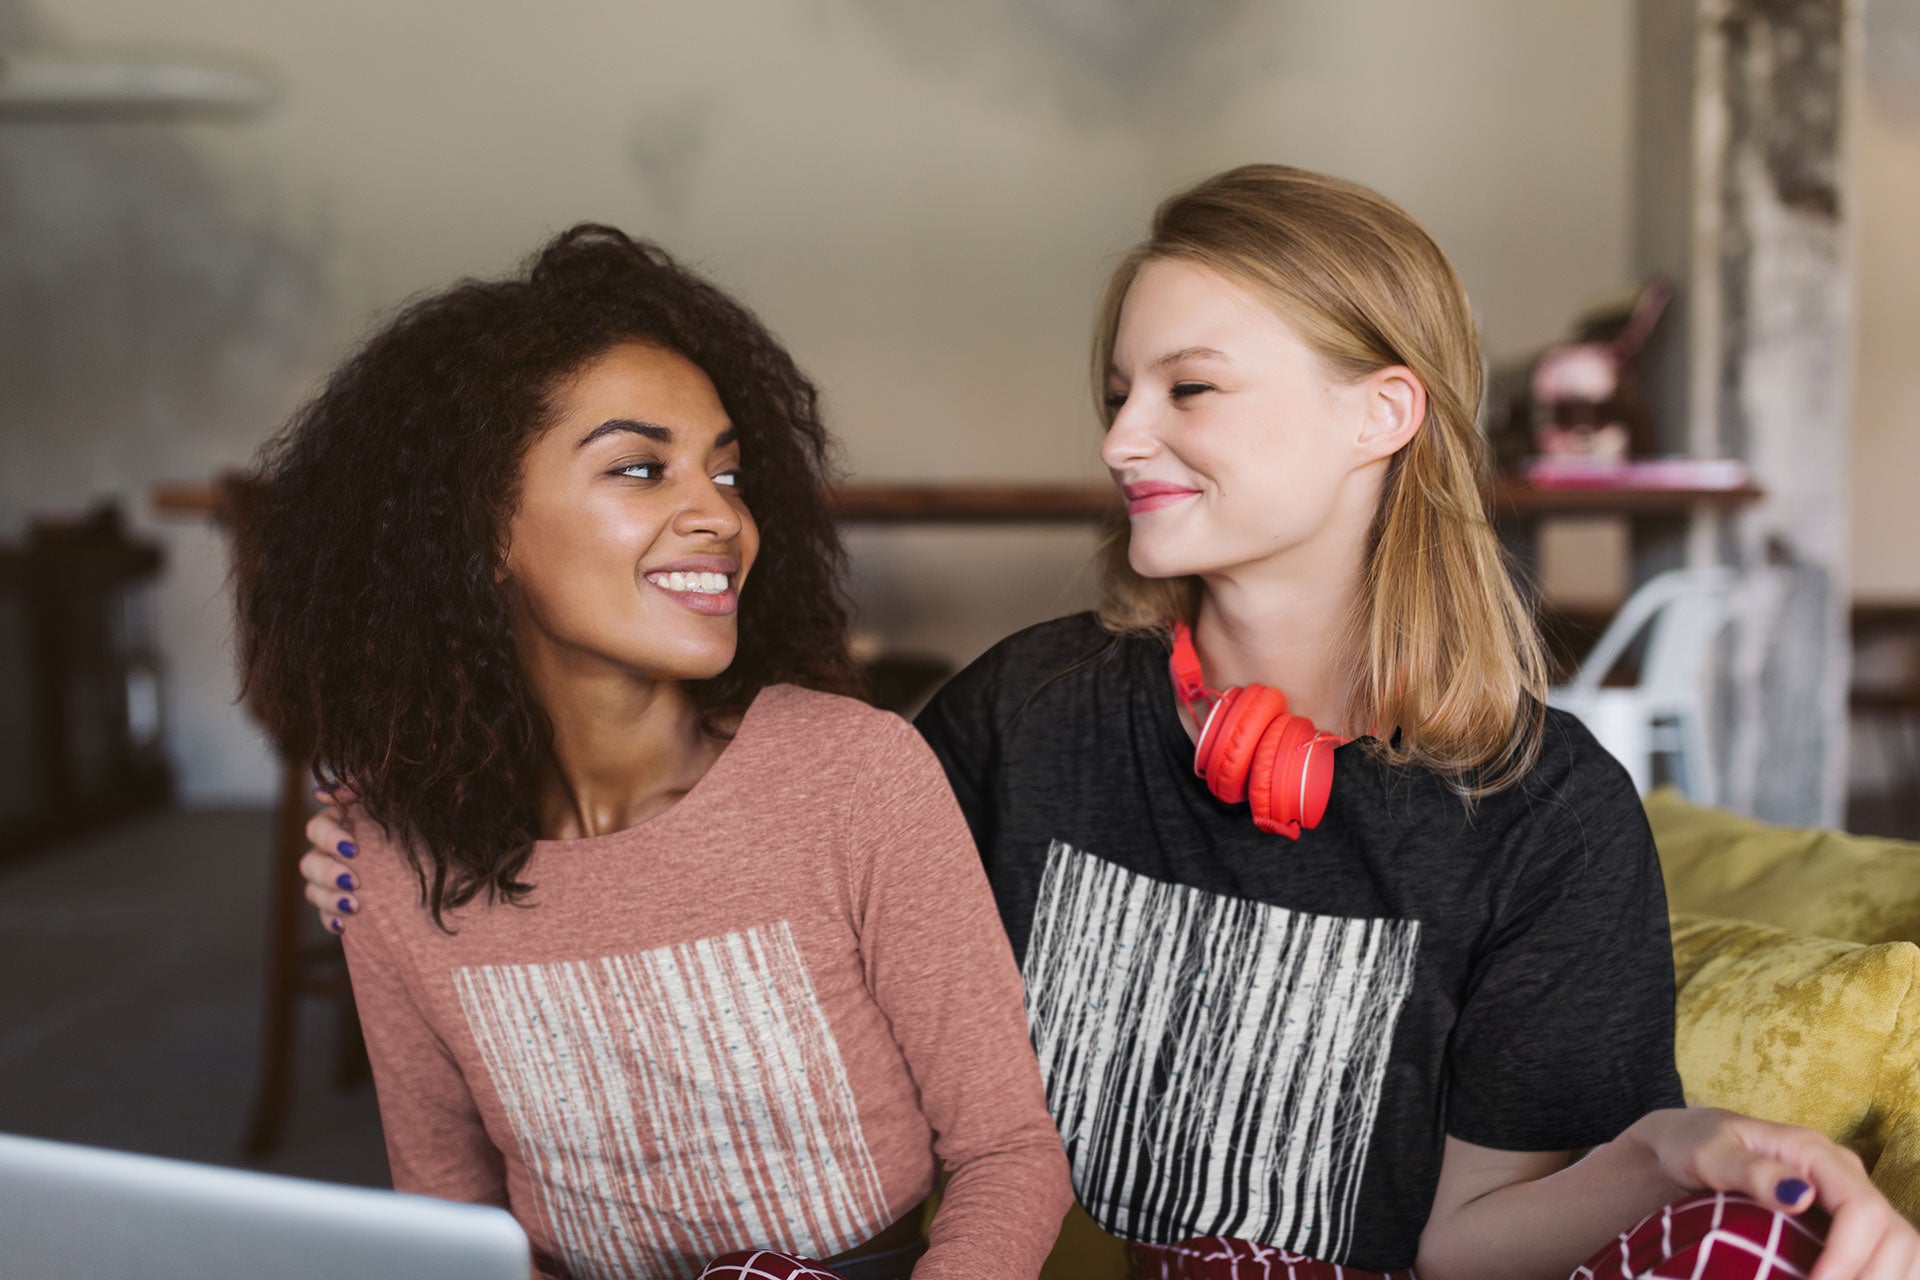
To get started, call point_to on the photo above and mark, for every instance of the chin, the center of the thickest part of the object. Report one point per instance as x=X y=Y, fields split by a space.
x=1162 y=562
x=698 y=665
x=679 y=658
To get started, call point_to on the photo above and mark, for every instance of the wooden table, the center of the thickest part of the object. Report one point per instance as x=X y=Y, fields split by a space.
x=984 y=502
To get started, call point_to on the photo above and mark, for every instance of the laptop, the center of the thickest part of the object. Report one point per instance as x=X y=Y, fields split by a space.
x=83 y=1213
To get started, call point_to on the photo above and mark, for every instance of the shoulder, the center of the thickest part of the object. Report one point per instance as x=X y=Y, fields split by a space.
x=388 y=886
x=827 y=727
x=820 y=718
x=377 y=851
x=1577 y=781
x=1046 y=648
x=1575 y=816
x=1012 y=671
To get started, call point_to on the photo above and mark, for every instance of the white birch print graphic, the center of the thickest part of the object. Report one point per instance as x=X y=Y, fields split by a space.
x=1215 y=1065
x=677 y=1104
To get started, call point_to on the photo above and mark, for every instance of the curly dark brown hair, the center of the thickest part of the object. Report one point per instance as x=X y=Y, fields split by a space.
x=373 y=635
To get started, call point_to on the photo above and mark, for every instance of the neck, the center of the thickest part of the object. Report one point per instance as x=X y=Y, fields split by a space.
x=625 y=747
x=1284 y=621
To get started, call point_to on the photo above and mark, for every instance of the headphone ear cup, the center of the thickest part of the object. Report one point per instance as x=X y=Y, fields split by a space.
x=1224 y=755
x=1274 y=788
x=1207 y=745
x=1316 y=776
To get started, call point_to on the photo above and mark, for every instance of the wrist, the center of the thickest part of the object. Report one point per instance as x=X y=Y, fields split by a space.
x=1646 y=1140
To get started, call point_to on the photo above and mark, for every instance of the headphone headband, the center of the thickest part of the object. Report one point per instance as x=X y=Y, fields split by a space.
x=1185 y=666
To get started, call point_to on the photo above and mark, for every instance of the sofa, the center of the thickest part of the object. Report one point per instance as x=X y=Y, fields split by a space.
x=1798 y=972
x=1798 y=978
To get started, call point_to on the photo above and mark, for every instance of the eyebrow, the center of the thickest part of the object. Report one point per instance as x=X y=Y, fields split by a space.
x=1188 y=353
x=651 y=430
x=1175 y=357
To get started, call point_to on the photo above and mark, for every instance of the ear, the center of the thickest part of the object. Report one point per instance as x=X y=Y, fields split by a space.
x=1393 y=404
x=502 y=558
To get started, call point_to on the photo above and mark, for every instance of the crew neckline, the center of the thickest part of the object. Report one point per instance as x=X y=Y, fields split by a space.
x=695 y=798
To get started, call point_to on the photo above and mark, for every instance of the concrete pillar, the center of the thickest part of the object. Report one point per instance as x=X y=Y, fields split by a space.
x=1743 y=195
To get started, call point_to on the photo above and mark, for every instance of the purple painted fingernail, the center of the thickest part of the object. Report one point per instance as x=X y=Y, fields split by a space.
x=346 y=906
x=335 y=925
x=1791 y=1191
x=347 y=849
x=344 y=880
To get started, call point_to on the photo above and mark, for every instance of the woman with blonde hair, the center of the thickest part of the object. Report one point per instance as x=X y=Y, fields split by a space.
x=1339 y=946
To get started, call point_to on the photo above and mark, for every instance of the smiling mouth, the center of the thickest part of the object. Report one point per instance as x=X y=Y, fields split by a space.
x=1154 y=500
x=700 y=584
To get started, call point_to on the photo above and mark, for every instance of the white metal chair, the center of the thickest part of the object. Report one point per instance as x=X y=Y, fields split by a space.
x=1682 y=613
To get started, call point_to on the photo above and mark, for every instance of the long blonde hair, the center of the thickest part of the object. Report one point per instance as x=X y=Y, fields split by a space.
x=1443 y=647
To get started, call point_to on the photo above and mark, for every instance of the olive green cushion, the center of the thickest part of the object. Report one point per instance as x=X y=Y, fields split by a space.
x=1085 y=1252
x=1857 y=889
x=1821 y=882
x=1809 y=1031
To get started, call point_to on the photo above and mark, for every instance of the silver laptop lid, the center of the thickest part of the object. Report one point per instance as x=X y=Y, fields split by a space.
x=82 y=1213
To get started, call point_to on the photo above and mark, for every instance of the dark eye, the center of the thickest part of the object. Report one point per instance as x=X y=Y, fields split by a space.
x=1181 y=390
x=633 y=468
x=1115 y=399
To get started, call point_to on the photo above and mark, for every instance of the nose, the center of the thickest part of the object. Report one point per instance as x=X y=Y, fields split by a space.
x=1130 y=438
x=708 y=510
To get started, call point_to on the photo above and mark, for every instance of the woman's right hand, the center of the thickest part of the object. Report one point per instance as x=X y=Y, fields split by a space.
x=1790 y=1168
x=326 y=867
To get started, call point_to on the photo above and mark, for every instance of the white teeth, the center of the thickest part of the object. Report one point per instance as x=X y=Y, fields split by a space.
x=706 y=584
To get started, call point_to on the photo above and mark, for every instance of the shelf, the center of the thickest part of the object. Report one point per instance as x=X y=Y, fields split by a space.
x=1516 y=496
x=61 y=86
x=984 y=503
x=1086 y=503
x=974 y=503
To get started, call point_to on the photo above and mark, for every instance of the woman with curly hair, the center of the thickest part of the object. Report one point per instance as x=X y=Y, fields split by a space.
x=664 y=932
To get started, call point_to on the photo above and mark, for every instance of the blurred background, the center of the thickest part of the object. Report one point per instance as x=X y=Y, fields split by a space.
x=203 y=203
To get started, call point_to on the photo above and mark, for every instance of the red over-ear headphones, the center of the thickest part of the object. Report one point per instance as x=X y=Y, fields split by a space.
x=1251 y=749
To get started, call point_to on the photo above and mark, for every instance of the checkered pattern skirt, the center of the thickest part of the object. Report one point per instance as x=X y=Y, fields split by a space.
x=762 y=1264
x=1716 y=1236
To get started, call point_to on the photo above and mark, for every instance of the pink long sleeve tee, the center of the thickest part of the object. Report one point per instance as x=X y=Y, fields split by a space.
x=762 y=1018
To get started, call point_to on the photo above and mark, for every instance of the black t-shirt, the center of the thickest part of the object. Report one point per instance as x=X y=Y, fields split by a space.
x=1246 y=1035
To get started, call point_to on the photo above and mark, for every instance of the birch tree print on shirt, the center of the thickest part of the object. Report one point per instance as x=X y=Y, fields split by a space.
x=678 y=1103
x=1215 y=1065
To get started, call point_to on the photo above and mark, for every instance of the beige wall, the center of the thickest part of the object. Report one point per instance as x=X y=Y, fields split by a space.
x=1886 y=449
x=921 y=198
x=1886 y=443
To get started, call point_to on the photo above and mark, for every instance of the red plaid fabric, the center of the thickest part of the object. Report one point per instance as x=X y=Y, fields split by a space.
x=1224 y=1258
x=1713 y=1237
x=762 y=1264
x=1716 y=1236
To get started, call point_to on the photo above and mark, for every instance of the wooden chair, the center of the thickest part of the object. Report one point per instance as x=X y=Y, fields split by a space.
x=302 y=963
x=1891 y=709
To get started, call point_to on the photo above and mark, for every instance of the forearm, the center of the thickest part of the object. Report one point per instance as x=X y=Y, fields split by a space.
x=1542 y=1229
x=1000 y=1213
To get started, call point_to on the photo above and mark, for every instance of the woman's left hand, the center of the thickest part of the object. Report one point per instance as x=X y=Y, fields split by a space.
x=1703 y=1148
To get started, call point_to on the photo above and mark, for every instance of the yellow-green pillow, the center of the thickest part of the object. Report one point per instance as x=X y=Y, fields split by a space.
x=1085 y=1252
x=1821 y=882
x=1807 y=1031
